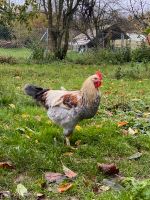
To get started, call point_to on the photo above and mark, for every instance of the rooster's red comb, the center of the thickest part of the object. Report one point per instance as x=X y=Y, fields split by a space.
x=99 y=74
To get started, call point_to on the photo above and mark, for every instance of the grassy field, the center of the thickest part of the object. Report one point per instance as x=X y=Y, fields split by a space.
x=21 y=53
x=27 y=136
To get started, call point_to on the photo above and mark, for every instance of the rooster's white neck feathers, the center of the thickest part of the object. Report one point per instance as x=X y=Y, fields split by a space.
x=89 y=91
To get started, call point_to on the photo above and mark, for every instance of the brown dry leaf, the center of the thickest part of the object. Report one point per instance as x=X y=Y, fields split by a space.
x=86 y=181
x=98 y=188
x=120 y=124
x=6 y=165
x=64 y=187
x=78 y=142
x=124 y=132
x=68 y=154
x=54 y=177
x=109 y=169
x=69 y=173
x=110 y=114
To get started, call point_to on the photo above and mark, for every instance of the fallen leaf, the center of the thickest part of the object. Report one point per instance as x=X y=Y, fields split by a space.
x=6 y=165
x=120 y=124
x=135 y=156
x=12 y=106
x=17 y=77
x=131 y=131
x=78 y=142
x=109 y=113
x=146 y=115
x=40 y=196
x=68 y=154
x=98 y=188
x=109 y=169
x=64 y=187
x=5 y=194
x=54 y=177
x=124 y=132
x=107 y=92
x=25 y=116
x=78 y=128
x=113 y=184
x=21 y=190
x=38 y=118
x=69 y=173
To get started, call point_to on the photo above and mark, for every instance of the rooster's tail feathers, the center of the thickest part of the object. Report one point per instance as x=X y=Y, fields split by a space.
x=37 y=93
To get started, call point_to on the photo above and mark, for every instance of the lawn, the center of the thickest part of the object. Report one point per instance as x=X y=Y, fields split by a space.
x=34 y=145
x=19 y=53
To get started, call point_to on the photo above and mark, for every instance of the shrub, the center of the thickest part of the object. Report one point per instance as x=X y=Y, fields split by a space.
x=117 y=56
x=40 y=54
x=141 y=54
x=134 y=71
x=9 y=60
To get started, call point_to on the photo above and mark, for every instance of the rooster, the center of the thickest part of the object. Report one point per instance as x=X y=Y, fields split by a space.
x=67 y=108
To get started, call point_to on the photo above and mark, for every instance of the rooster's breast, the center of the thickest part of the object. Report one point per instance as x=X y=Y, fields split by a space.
x=64 y=117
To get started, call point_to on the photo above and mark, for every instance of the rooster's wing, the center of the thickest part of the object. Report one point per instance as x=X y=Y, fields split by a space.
x=65 y=99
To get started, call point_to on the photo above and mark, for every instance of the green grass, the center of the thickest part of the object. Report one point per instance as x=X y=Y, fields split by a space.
x=33 y=152
x=15 y=52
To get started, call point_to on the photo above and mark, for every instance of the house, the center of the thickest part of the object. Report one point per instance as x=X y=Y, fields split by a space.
x=105 y=38
x=110 y=37
x=136 y=39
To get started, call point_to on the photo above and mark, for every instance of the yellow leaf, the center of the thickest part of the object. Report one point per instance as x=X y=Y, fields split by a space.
x=27 y=136
x=78 y=128
x=49 y=122
x=25 y=116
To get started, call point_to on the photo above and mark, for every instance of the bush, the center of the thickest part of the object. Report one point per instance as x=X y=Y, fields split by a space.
x=134 y=71
x=117 y=56
x=40 y=54
x=9 y=60
x=141 y=54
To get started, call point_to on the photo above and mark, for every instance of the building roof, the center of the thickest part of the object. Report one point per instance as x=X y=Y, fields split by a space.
x=136 y=37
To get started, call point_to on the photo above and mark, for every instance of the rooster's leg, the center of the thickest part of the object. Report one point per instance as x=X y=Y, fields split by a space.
x=67 y=134
x=67 y=141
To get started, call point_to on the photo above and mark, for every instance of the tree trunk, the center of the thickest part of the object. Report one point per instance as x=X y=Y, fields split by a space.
x=51 y=40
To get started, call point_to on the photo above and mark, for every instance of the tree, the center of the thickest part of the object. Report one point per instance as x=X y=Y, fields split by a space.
x=59 y=14
x=5 y=32
x=94 y=16
x=138 y=12
x=7 y=13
